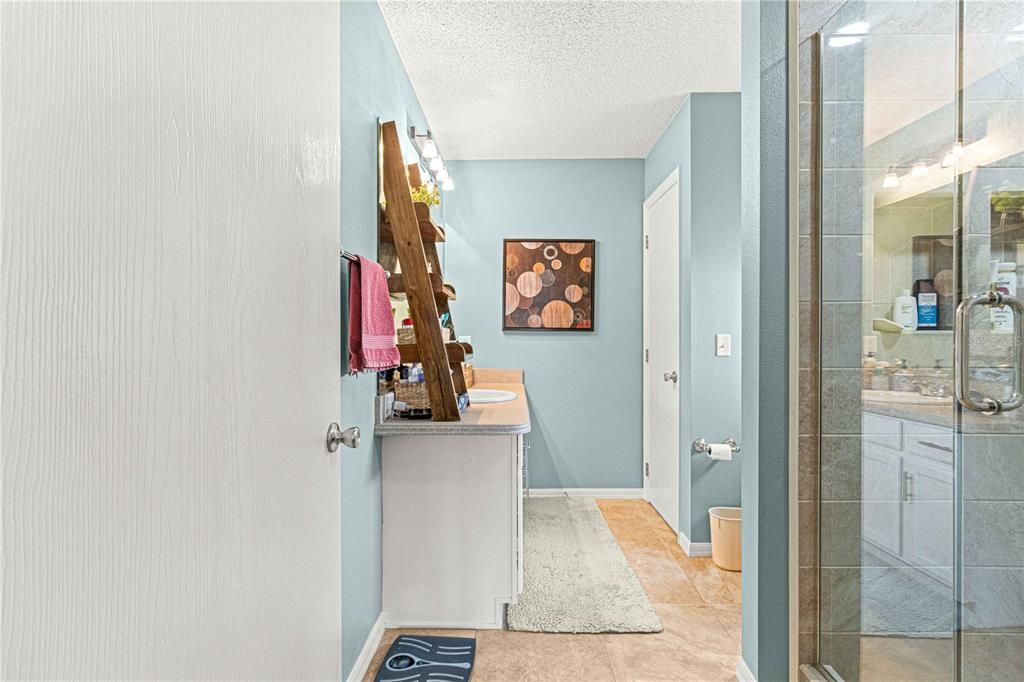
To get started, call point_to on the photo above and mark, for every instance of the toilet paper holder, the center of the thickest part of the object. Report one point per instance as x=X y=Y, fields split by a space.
x=701 y=445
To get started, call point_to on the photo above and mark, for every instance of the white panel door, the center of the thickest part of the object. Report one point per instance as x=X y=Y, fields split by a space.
x=662 y=380
x=171 y=356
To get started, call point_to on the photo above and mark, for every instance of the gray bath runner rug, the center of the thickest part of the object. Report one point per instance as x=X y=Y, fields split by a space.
x=575 y=577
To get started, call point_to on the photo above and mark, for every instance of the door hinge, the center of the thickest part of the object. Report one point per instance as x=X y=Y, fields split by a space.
x=647 y=241
x=647 y=354
x=647 y=469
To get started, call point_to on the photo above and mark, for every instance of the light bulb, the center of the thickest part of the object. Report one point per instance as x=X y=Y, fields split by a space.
x=442 y=175
x=948 y=160
x=919 y=170
x=436 y=164
x=891 y=181
x=429 y=149
x=447 y=185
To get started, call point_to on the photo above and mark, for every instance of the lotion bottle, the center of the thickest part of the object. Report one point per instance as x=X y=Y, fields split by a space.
x=904 y=310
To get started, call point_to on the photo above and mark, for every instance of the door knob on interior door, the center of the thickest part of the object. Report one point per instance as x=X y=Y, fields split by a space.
x=350 y=437
x=671 y=376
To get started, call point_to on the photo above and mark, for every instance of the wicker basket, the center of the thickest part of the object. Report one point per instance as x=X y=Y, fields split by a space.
x=467 y=373
x=407 y=335
x=414 y=395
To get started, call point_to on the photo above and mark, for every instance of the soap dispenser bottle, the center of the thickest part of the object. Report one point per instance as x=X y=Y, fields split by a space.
x=904 y=310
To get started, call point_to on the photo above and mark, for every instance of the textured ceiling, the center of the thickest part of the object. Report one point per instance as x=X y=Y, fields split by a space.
x=511 y=79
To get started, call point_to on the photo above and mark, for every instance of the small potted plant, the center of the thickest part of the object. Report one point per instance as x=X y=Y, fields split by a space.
x=428 y=194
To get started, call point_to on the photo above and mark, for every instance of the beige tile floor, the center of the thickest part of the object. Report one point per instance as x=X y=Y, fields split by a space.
x=906 y=659
x=698 y=603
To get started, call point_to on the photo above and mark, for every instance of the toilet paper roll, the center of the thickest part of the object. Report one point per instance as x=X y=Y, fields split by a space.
x=720 y=451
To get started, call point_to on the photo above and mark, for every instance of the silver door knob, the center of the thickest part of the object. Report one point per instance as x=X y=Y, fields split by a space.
x=335 y=436
x=671 y=376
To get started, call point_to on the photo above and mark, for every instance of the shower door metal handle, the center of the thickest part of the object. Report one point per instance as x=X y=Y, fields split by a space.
x=672 y=376
x=962 y=333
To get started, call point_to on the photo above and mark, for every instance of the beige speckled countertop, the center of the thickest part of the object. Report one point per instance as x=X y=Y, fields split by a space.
x=490 y=419
x=942 y=416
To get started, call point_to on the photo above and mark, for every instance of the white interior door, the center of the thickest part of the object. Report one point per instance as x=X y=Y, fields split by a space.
x=661 y=333
x=171 y=355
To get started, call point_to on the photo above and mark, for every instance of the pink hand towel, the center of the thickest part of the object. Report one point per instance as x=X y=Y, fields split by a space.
x=371 y=327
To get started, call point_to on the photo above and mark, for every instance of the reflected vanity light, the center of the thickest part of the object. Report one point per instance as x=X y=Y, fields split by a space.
x=891 y=181
x=952 y=155
x=919 y=170
x=442 y=176
x=436 y=164
x=447 y=185
x=851 y=34
x=429 y=149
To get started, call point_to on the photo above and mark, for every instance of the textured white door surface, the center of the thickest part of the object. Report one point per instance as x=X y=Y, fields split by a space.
x=661 y=329
x=171 y=353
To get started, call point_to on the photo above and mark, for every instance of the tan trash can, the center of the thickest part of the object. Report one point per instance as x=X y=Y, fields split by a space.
x=726 y=537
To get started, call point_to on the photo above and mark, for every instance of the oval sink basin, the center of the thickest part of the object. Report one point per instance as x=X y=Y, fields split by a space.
x=905 y=398
x=486 y=395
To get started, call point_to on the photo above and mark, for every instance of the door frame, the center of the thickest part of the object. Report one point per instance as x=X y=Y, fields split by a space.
x=671 y=180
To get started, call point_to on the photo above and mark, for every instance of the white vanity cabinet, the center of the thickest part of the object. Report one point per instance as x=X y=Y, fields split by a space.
x=452 y=529
x=907 y=492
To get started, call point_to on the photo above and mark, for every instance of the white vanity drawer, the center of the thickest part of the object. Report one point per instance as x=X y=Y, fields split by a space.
x=886 y=431
x=934 y=442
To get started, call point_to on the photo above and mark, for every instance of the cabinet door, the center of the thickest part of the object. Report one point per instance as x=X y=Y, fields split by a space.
x=518 y=444
x=928 y=516
x=881 y=475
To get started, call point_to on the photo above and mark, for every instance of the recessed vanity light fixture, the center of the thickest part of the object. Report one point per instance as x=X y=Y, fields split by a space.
x=891 y=181
x=919 y=170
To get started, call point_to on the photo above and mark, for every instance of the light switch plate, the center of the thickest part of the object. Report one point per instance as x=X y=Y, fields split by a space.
x=723 y=345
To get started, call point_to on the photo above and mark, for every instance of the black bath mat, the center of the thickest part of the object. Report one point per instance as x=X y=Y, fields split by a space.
x=428 y=659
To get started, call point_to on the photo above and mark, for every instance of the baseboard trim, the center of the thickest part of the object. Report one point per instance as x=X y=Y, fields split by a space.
x=602 y=493
x=369 y=649
x=743 y=673
x=694 y=548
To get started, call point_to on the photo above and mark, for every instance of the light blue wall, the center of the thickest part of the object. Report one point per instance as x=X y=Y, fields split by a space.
x=373 y=84
x=585 y=388
x=703 y=142
x=765 y=243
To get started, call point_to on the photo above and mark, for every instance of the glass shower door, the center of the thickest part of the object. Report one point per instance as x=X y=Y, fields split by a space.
x=920 y=122
x=990 y=169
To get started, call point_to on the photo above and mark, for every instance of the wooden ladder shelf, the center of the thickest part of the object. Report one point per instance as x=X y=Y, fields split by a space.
x=408 y=241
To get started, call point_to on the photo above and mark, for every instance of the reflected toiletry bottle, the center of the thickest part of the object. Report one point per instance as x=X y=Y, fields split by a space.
x=880 y=379
x=1005 y=283
x=927 y=304
x=904 y=310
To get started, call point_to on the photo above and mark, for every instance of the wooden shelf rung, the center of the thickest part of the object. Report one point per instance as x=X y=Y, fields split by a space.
x=457 y=352
x=442 y=290
x=429 y=230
